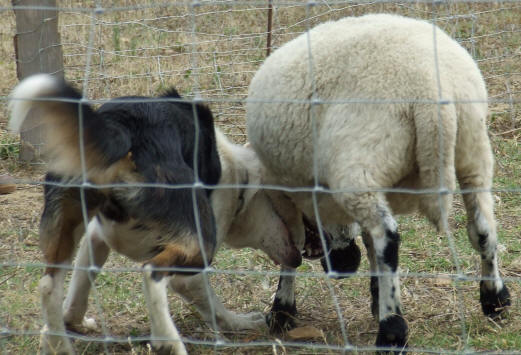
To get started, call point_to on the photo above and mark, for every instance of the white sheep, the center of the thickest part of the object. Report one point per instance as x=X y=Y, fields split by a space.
x=372 y=103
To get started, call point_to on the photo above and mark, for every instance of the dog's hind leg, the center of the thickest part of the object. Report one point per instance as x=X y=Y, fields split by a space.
x=92 y=254
x=57 y=243
x=196 y=291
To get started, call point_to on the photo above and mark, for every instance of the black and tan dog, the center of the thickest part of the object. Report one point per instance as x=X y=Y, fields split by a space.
x=135 y=162
x=131 y=141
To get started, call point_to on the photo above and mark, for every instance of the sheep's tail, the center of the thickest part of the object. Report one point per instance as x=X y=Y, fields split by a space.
x=43 y=100
x=436 y=128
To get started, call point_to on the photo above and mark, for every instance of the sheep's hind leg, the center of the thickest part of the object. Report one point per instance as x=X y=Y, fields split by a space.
x=393 y=329
x=474 y=169
x=494 y=295
x=380 y=232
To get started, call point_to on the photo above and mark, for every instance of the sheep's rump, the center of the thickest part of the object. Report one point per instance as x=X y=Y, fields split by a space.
x=379 y=89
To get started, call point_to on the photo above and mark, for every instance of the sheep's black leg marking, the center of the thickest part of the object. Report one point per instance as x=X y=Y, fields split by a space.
x=345 y=260
x=391 y=250
x=284 y=310
x=344 y=254
x=368 y=242
x=341 y=249
x=374 y=296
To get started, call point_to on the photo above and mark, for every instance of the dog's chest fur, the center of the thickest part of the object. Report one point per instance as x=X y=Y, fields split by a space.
x=133 y=238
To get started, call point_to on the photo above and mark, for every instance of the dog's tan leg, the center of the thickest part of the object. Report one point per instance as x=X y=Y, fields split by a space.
x=93 y=252
x=57 y=244
x=54 y=339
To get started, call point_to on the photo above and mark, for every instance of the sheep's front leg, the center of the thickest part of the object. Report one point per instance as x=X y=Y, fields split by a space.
x=283 y=313
x=343 y=253
x=165 y=337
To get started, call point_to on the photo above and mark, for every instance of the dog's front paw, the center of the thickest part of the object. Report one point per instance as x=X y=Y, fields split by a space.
x=169 y=347
x=87 y=324
x=235 y=321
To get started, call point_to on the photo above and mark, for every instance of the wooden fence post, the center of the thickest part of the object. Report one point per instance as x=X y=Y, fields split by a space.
x=270 y=20
x=38 y=50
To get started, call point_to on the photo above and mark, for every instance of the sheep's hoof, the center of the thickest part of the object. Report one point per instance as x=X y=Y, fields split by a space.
x=281 y=317
x=343 y=261
x=392 y=334
x=492 y=303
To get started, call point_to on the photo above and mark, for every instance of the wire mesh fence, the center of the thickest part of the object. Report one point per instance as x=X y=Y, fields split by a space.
x=209 y=51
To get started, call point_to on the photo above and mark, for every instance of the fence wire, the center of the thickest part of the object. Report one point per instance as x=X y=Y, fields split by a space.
x=209 y=51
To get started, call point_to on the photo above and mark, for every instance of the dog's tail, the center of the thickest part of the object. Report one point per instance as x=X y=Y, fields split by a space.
x=44 y=100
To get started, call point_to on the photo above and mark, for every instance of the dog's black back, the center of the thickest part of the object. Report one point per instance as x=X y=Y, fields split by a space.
x=159 y=138
x=161 y=130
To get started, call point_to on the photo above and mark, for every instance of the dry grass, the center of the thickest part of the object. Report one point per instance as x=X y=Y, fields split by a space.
x=141 y=52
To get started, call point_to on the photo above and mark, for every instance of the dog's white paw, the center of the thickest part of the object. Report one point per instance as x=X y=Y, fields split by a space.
x=235 y=321
x=169 y=347
x=89 y=323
